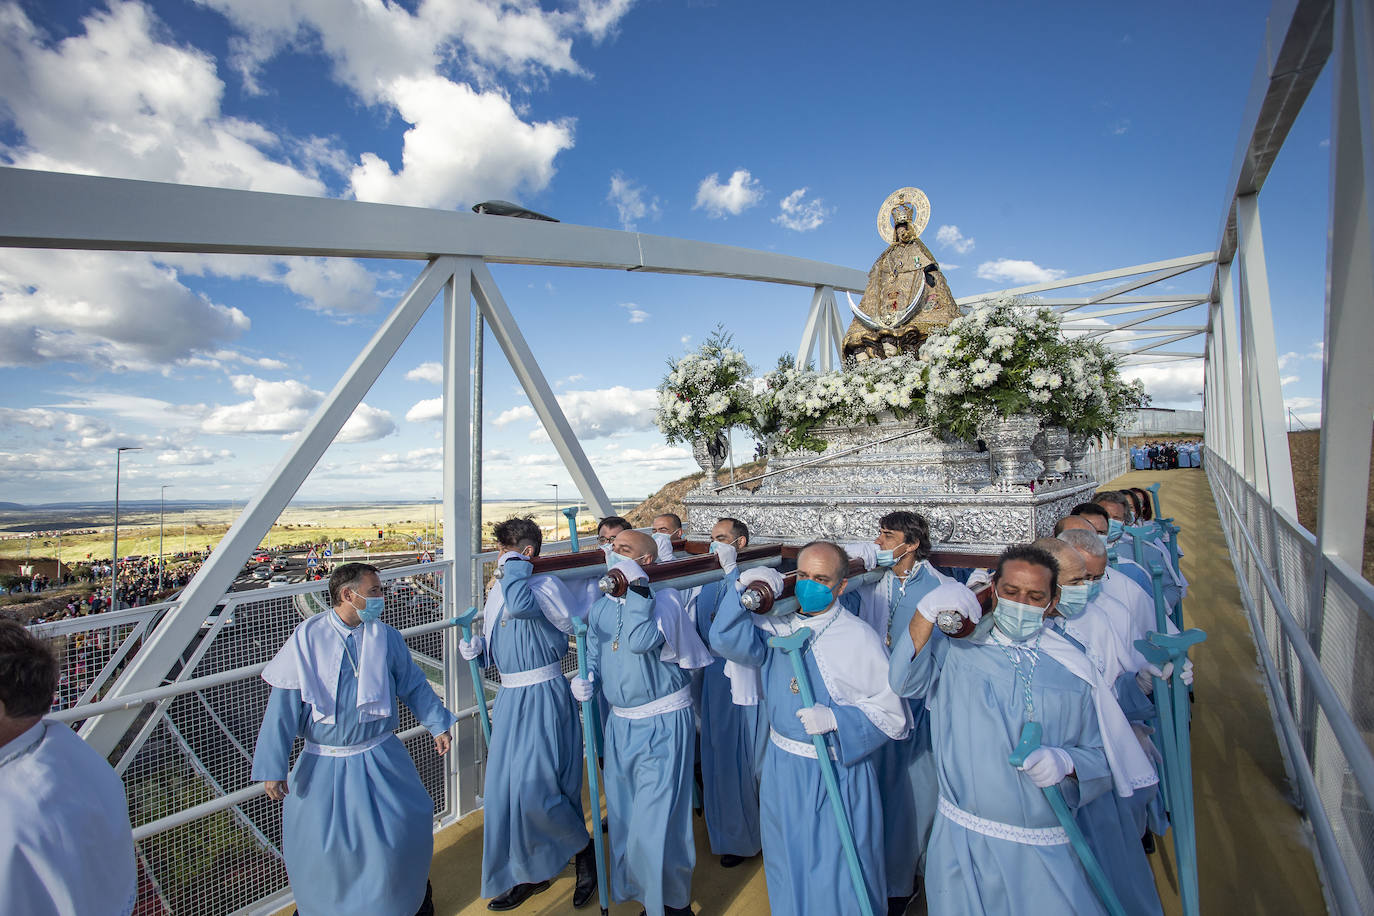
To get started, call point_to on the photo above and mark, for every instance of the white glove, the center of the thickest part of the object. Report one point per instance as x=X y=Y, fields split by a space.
x=818 y=719
x=471 y=648
x=631 y=570
x=863 y=550
x=1047 y=766
x=977 y=579
x=765 y=574
x=1187 y=674
x=582 y=688
x=1145 y=677
x=726 y=554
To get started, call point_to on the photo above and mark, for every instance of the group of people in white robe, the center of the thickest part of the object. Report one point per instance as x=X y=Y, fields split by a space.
x=919 y=721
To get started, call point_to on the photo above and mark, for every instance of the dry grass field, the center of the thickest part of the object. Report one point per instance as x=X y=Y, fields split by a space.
x=1305 y=449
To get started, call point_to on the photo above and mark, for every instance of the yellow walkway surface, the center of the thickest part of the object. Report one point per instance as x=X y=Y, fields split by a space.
x=1253 y=847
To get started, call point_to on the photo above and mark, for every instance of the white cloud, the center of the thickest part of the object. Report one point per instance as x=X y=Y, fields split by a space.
x=594 y=414
x=462 y=146
x=564 y=382
x=1314 y=352
x=950 y=237
x=69 y=428
x=331 y=284
x=427 y=372
x=1121 y=126
x=1306 y=409
x=421 y=460
x=426 y=410
x=1017 y=273
x=193 y=455
x=637 y=315
x=1289 y=379
x=632 y=201
x=112 y=99
x=799 y=214
x=151 y=411
x=283 y=407
x=1176 y=385
x=221 y=359
x=114 y=310
x=738 y=194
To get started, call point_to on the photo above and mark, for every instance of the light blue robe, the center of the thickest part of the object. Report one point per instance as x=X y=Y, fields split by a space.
x=906 y=769
x=357 y=832
x=1112 y=826
x=532 y=797
x=977 y=709
x=733 y=739
x=803 y=859
x=648 y=762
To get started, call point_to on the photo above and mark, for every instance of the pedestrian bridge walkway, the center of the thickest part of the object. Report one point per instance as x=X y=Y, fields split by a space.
x=1254 y=853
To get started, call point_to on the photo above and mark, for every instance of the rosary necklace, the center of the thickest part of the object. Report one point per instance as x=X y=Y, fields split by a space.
x=794 y=686
x=1014 y=656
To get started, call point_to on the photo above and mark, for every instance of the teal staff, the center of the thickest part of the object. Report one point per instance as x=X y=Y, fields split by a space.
x=589 y=747
x=792 y=645
x=570 y=514
x=1031 y=734
x=1161 y=650
x=1154 y=497
x=465 y=622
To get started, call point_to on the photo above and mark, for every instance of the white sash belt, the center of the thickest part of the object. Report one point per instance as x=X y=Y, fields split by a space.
x=678 y=699
x=531 y=677
x=797 y=748
x=345 y=750
x=1026 y=836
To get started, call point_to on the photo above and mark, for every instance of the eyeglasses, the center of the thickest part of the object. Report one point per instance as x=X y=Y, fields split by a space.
x=602 y=539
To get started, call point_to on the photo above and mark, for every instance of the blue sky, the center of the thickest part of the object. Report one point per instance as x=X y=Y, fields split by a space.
x=1052 y=139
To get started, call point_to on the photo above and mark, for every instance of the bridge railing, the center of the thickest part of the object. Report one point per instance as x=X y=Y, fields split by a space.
x=1313 y=621
x=208 y=840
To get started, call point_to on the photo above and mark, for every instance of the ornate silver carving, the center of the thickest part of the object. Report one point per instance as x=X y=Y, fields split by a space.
x=1008 y=440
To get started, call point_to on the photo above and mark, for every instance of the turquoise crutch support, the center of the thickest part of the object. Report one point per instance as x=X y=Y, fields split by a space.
x=792 y=645
x=465 y=622
x=1139 y=537
x=1154 y=496
x=1031 y=734
x=1159 y=649
x=1176 y=615
x=589 y=747
x=570 y=514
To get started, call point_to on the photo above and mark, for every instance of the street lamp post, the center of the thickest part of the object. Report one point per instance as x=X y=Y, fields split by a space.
x=161 y=518
x=555 y=510
x=114 y=569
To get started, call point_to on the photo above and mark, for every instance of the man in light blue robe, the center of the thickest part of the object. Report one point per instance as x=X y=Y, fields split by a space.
x=733 y=736
x=803 y=857
x=997 y=846
x=640 y=651
x=357 y=824
x=532 y=819
x=906 y=768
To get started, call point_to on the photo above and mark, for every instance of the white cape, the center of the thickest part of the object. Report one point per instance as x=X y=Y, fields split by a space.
x=312 y=657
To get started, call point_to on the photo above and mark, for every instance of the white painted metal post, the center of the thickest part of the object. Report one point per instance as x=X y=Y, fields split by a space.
x=1272 y=435
x=1230 y=371
x=837 y=327
x=182 y=623
x=526 y=368
x=467 y=761
x=812 y=329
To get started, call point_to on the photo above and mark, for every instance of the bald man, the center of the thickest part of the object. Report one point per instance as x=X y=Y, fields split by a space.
x=641 y=649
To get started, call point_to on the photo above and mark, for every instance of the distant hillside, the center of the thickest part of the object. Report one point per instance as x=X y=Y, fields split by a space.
x=669 y=499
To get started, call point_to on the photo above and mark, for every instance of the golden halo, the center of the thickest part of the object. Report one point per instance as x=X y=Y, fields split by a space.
x=920 y=205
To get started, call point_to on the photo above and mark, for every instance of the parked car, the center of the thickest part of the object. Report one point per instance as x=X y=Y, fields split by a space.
x=262 y=572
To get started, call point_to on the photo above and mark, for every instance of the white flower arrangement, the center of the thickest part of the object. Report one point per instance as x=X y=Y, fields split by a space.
x=705 y=393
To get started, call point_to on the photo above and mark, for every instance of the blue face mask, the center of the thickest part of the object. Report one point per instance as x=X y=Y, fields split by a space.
x=1094 y=589
x=1017 y=621
x=1073 y=599
x=1114 y=531
x=372 y=609
x=813 y=596
x=889 y=558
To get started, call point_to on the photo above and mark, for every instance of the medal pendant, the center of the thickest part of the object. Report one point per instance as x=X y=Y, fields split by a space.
x=888 y=640
x=795 y=687
x=615 y=646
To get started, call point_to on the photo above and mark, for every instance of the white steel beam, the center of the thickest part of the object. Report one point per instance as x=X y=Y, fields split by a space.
x=1154 y=330
x=526 y=368
x=119 y=214
x=1154 y=310
x=1146 y=280
x=1184 y=263
x=812 y=330
x=1160 y=343
x=1254 y=280
x=837 y=327
x=825 y=332
x=1230 y=367
x=167 y=643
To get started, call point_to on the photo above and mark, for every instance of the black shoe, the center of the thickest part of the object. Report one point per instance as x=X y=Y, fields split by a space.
x=730 y=861
x=605 y=827
x=516 y=896
x=672 y=911
x=896 y=906
x=1148 y=841
x=585 y=890
x=427 y=906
